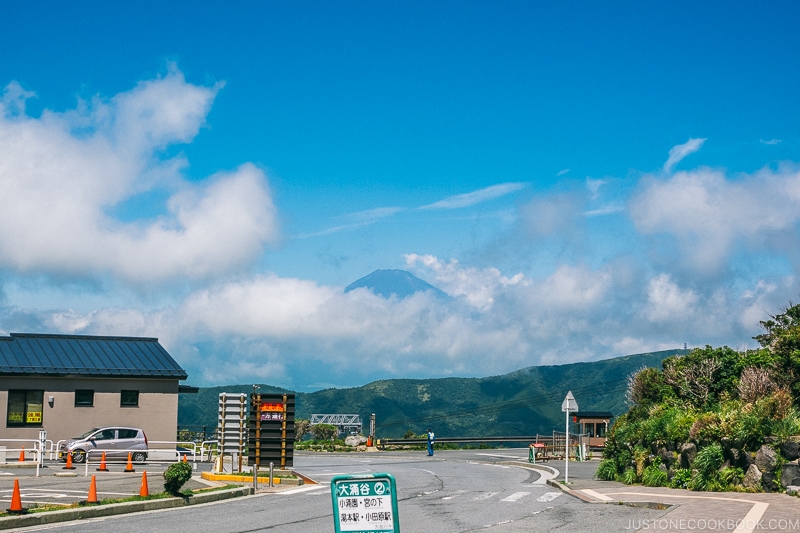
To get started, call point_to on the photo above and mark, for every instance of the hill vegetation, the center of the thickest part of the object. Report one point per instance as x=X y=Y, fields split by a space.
x=715 y=419
x=524 y=402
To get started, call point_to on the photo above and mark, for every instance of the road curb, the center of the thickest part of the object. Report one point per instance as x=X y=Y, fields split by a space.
x=575 y=494
x=66 y=515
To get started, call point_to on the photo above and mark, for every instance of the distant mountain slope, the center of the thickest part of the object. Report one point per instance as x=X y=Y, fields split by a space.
x=398 y=282
x=524 y=402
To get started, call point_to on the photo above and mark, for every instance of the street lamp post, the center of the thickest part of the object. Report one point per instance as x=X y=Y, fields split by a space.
x=568 y=405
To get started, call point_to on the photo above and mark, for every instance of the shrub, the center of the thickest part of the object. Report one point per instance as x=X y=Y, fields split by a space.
x=606 y=470
x=653 y=476
x=681 y=479
x=628 y=476
x=707 y=463
x=176 y=475
x=731 y=476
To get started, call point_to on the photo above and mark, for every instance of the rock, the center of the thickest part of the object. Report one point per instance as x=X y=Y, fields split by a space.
x=768 y=482
x=667 y=457
x=752 y=478
x=765 y=459
x=355 y=440
x=790 y=475
x=770 y=440
x=735 y=456
x=790 y=450
x=688 y=453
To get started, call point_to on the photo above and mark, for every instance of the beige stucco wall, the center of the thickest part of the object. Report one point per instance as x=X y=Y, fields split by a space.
x=157 y=413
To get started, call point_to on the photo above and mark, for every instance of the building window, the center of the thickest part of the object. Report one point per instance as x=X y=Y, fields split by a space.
x=84 y=398
x=129 y=398
x=25 y=408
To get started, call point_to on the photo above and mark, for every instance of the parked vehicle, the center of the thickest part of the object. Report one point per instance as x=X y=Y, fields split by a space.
x=117 y=442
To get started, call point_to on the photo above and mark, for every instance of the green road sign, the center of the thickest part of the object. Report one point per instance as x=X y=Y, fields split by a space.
x=365 y=504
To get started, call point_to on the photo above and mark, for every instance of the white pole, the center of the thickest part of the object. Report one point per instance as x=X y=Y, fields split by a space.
x=566 y=451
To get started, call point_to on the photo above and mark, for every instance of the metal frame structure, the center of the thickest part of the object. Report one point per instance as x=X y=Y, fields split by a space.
x=342 y=422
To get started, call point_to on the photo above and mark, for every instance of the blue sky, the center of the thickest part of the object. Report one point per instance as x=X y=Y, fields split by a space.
x=585 y=181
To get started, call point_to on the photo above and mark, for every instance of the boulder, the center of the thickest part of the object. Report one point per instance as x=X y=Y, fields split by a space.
x=688 y=453
x=790 y=475
x=790 y=450
x=355 y=440
x=752 y=478
x=765 y=458
x=768 y=482
x=667 y=456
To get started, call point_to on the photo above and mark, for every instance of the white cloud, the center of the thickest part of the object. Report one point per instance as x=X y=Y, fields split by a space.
x=709 y=213
x=668 y=302
x=770 y=142
x=677 y=153
x=63 y=174
x=476 y=197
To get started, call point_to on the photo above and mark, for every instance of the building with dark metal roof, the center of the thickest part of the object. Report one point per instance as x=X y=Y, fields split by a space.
x=67 y=384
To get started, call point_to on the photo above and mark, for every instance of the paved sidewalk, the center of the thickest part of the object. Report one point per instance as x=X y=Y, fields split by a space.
x=690 y=511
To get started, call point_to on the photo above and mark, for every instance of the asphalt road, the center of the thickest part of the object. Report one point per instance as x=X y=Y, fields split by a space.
x=454 y=491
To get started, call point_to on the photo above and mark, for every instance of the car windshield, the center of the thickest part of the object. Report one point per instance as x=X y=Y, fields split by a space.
x=87 y=433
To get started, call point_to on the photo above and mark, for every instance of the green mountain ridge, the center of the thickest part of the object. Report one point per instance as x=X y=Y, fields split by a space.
x=523 y=402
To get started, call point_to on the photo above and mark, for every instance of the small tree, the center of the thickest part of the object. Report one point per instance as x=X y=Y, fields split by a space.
x=324 y=431
x=175 y=476
x=302 y=428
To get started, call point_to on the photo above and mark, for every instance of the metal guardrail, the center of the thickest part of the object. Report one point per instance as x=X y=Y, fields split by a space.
x=466 y=440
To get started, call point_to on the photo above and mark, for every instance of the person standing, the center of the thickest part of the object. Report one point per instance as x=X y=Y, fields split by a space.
x=431 y=440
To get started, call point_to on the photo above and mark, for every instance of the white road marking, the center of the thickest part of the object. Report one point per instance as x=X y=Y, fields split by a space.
x=597 y=495
x=485 y=496
x=503 y=456
x=548 y=496
x=514 y=497
x=305 y=488
x=456 y=494
x=751 y=519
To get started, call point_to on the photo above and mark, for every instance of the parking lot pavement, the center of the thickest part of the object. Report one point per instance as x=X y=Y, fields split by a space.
x=55 y=485
x=690 y=511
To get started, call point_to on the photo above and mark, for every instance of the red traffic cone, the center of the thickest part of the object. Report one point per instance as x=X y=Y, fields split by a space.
x=22 y=454
x=129 y=466
x=16 y=500
x=143 y=491
x=92 y=491
x=69 y=463
x=103 y=467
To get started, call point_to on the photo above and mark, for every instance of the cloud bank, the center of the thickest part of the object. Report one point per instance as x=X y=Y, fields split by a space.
x=678 y=257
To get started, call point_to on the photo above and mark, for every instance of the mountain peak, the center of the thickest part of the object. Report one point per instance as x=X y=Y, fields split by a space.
x=398 y=282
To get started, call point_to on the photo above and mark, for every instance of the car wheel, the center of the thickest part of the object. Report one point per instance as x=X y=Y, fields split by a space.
x=78 y=456
x=139 y=457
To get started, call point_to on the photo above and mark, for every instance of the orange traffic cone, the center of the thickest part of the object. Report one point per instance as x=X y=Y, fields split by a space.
x=184 y=458
x=92 y=491
x=103 y=467
x=143 y=491
x=129 y=466
x=69 y=463
x=16 y=500
x=22 y=454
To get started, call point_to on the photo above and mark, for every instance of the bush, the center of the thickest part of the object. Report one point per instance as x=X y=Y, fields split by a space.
x=653 y=476
x=606 y=470
x=175 y=476
x=628 y=476
x=681 y=479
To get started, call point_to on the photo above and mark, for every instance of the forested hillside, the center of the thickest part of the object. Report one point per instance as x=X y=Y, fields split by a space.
x=527 y=401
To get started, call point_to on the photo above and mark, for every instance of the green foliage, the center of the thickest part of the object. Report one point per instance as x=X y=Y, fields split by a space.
x=681 y=479
x=628 y=476
x=176 y=475
x=408 y=434
x=324 y=431
x=707 y=463
x=731 y=476
x=782 y=339
x=606 y=470
x=653 y=476
x=302 y=427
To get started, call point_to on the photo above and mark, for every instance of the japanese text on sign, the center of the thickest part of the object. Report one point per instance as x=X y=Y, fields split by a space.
x=365 y=505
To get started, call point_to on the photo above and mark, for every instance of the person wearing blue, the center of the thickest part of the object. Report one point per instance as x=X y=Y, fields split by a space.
x=431 y=440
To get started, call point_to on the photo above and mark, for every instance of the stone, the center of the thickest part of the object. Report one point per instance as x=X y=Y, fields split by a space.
x=790 y=475
x=752 y=478
x=790 y=450
x=765 y=458
x=768 y=482
x=688 y=453
x=355 y=440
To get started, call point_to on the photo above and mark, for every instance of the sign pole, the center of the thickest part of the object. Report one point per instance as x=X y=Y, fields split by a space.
x=568 y=405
